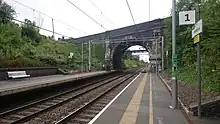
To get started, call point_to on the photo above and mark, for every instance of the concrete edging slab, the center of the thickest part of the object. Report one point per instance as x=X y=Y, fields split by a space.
x=187 y=113
x=44 y=84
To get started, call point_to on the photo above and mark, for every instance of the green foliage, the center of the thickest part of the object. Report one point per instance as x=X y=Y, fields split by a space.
x=10 y=40
x=186 y=50
x=29 y=30
x=18 y=50
x=6 y=12
x=131 y=61
x=23 y=46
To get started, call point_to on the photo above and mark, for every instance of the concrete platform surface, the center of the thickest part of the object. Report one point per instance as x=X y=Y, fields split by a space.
x=145 y=101
x=19 y=85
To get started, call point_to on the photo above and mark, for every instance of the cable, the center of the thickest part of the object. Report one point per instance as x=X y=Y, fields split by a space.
x=40 y=27
x=86 y=14
x=49 y=16
x=36 y=26
x=130 y=11
x=102 y=12
x=137 y=32
x=72 y=27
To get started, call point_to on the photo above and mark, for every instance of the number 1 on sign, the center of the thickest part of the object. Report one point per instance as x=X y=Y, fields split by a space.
x=187 y=17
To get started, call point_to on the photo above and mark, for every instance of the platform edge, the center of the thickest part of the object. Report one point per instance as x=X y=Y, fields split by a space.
x=185 y=111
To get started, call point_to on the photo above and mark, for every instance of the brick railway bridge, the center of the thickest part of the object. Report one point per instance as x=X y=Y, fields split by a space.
x=148 y=34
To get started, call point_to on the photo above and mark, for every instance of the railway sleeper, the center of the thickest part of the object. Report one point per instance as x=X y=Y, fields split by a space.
x=91 y=111
x=84 y=115
x=80 y=119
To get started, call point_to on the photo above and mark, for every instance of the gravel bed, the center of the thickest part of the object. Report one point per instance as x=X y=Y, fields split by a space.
x=107 y=97
x=11 y=117
x=49 y=102
x=24 y=114
x=76 y=122
x=188 y=92
x=59 y=112
x=36 y=108
x=39 y=107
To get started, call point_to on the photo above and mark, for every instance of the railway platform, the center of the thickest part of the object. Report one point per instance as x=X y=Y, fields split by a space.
x=145 y=101
x=19 y=85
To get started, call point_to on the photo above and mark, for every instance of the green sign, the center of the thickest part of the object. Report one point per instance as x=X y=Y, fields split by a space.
x=174 y=74
x=175 y=60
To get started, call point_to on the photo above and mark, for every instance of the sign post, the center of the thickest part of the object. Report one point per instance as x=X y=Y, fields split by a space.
x=188 y=18
x=198 y=28
x=185 y=18
x=174 y=80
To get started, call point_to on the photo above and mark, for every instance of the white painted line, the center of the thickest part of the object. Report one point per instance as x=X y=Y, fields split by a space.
x=103 y=110
x=160 y=121
x=171 y=107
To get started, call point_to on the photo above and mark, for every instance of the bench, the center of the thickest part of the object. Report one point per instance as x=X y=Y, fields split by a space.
x=17 y=74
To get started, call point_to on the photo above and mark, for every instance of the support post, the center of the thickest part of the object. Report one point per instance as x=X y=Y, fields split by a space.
x=199 y=79
x=162 y=52
x=199 y=85
x=89 y=56
x=156 y=58
x=82 y=57
x=107 y=56
x=53 y=28
x=167 y=56
x=174 y=80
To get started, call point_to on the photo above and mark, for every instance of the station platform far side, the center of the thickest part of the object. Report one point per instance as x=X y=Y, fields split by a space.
x=19 y=85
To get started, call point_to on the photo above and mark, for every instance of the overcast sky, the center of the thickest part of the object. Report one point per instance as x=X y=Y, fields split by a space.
x=115 y=14
x=115 y=10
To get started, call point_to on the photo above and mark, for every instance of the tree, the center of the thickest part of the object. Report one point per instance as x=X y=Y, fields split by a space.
x=7 y=13
x=29 y=30
x=186 y=51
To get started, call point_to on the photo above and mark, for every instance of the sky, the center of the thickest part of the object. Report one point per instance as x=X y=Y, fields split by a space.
x=71 y=22
x=142 y=56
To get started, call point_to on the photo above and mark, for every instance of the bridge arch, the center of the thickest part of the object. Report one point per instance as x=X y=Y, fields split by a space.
x=119 y=51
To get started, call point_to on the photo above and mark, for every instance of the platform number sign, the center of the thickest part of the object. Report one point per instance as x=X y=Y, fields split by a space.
x=187 y=17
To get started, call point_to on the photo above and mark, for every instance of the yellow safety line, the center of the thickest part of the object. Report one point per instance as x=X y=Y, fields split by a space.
x=130 y=115
x=151 y=114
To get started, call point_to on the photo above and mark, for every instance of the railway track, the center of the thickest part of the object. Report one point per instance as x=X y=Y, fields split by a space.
x=88 y=111
x=29 y=111
x=62 y=107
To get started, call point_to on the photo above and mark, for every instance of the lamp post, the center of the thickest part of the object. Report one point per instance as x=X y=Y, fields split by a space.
x=174 y=65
